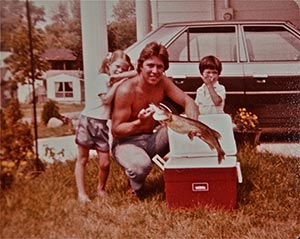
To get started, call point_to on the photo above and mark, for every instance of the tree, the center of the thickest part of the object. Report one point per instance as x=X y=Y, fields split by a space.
x=19 y=62
x=17 y=41
x=124 y=13
x=65 y=31
x=12 y=13
x=124 y=9
x=118 y=38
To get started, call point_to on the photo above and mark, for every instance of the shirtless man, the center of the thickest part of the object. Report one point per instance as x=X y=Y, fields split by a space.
x=135 y=142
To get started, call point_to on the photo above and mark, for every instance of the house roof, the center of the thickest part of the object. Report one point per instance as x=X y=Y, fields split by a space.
x=73 y=73
x=63 y=78
x=57 y=54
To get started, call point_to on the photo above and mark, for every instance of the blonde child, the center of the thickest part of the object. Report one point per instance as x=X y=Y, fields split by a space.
x=211 y=95
x=93 y=131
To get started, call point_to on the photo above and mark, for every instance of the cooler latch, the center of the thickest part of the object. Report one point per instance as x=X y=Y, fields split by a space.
x=159 y=161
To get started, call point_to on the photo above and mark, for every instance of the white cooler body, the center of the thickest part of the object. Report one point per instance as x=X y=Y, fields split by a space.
x=192 y=175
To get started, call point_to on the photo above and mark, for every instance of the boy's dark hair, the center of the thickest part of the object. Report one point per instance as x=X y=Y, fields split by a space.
x=154 y=49
x=111 y=57
x=210 y=62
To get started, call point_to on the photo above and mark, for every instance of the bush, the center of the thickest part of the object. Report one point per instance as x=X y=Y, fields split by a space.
x=50 y=109
x=16 y=151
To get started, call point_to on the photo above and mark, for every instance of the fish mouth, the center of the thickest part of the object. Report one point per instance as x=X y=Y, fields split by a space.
x=160 y=116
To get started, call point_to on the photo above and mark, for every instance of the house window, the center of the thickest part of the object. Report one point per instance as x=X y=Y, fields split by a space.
x=63 y=90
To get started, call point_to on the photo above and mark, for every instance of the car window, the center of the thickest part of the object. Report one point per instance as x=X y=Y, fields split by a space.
x=178 y=50
x=195 y=43
x=271 y=44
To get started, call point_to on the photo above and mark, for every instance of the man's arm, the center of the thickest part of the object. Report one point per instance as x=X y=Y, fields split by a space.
x=181 y=98
x=124 y=123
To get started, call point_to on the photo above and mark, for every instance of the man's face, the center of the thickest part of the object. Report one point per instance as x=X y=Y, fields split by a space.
x=152 y=70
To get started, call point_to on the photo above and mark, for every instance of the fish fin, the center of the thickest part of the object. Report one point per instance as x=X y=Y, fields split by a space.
x=216 y=134
x=191 y=135
x=221 y=155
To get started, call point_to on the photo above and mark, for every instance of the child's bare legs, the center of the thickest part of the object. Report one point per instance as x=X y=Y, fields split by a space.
x=83 y=156
x=104 y=163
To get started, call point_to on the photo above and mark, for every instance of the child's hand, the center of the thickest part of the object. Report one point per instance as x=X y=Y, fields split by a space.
x=113 y=78
x=209 y=80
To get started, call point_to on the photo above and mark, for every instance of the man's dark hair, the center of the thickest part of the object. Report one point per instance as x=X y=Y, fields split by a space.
x=154 y=49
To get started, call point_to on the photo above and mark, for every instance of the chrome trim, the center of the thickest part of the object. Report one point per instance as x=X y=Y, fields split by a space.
x=272 y=92
x=227 y=93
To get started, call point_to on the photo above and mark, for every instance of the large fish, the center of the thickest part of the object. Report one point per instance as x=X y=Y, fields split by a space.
x=190 y=127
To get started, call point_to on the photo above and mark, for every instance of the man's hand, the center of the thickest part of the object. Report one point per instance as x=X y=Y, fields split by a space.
x=145 y=113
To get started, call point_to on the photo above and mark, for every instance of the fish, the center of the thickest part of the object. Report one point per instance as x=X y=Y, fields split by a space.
x=191 y=127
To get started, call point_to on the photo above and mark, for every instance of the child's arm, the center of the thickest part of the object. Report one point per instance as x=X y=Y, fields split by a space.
x=213 y=94
x=125 y=74
x=108 y=97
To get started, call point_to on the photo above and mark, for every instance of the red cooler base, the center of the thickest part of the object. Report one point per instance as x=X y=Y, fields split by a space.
x=200 y=187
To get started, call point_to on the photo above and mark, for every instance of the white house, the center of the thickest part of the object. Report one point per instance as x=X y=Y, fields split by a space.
x=65 y=88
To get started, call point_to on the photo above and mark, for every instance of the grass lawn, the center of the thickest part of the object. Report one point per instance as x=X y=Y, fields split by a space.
x=27 y=109
x=43 y=131
x=268 y=205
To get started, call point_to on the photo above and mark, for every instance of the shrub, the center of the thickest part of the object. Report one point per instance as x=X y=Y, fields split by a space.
x=16 y=150
x=245 y=120
x=50 y=109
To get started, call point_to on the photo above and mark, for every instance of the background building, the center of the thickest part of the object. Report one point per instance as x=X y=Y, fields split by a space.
x=163 y=11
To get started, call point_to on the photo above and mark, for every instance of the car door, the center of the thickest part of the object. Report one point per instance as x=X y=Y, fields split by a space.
x=272 y=74
x=187 y=49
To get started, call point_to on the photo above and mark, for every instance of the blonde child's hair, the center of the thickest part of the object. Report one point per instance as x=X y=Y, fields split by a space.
x=113 y=56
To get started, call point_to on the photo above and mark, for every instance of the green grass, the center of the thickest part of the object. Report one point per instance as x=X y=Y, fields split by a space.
x=43 y=131
x=27 y=109
x=46 y=206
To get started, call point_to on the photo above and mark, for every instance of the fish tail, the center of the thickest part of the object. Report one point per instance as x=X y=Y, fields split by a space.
x=221 y=154
x=216 y=135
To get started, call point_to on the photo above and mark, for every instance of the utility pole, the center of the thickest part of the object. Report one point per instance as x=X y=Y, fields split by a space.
x=39 y=164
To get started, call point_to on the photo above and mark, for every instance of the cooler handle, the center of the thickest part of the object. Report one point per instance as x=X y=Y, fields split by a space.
x=159 y=161
x=239 y=172
x=200 y=187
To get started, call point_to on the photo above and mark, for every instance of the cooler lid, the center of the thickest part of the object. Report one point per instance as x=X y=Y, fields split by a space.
x=182 y=146
x=200 y=162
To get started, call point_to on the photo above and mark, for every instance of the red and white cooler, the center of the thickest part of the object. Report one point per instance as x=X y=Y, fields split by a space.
x=192 y=175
